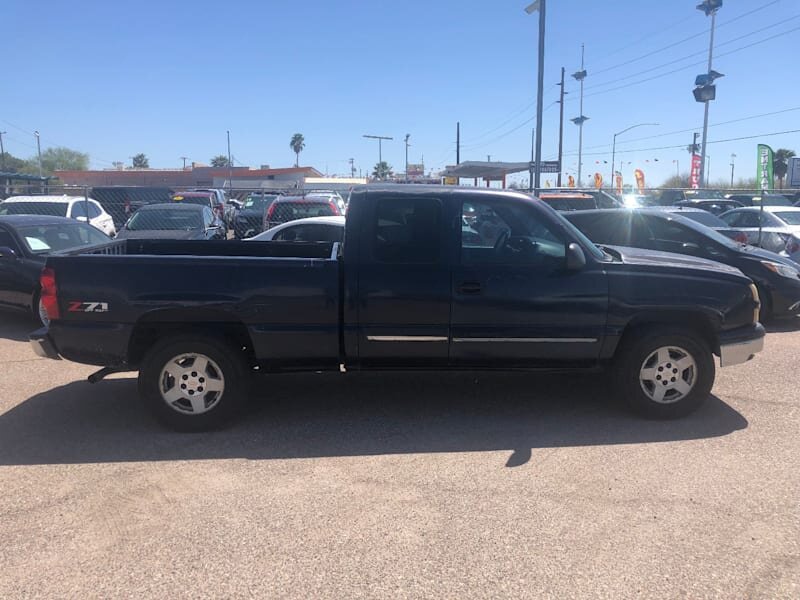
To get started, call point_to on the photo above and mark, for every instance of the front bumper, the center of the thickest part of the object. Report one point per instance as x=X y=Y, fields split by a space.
x=740 y=345
x=42 y=344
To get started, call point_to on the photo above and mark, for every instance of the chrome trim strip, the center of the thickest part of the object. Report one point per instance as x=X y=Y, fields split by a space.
x=530 y=340
x=407 y=338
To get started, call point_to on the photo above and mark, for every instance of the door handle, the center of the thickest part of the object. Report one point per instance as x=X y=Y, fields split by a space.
x=469 y=287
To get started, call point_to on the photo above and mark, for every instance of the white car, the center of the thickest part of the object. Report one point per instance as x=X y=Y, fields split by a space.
x=331 y=196
x=75 y=207
x=312 y=229
x=782 y=221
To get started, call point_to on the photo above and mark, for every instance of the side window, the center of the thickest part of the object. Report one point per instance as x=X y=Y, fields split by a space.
x=407 y=230
x=299 y=233
x=208 y=217
x=673 y=234
x=78 y=210
x=8 y=241
x=508 y=233
x=332 y=234
x=94 y=210
x=747 y=219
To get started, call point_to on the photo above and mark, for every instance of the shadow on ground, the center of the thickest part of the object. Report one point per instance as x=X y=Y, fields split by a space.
x=16 y=326
x=783 y=325
x=299 y=416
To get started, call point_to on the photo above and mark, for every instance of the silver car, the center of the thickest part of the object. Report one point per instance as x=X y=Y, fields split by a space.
x=780 y=227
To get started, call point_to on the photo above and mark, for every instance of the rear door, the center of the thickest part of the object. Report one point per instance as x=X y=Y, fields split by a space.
x=403 y=283
x=514 y=302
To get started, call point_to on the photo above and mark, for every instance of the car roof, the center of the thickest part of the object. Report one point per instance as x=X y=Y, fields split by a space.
x=309 y=198
x=63 y=198
x=15 y=220
x=172 y=206
x=331 y=220
x=768 y=208
x=679 y=209
x=557 y=195
x=195 y=194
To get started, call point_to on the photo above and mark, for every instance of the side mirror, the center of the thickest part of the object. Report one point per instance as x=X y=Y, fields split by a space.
x=576 y=259
x=7 y=253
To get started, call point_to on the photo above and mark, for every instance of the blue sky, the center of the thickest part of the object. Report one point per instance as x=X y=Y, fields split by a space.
x=169 y=78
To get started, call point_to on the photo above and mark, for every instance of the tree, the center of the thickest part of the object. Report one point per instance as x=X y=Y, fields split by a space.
x=297 y=144
x=62 y=159
x=12 y=164
x=382 y=170
x=140 y=161
x=676 y=181
x=780 y=164
x=220 y=161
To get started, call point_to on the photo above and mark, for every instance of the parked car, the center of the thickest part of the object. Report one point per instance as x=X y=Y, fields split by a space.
x=715 y=206
x=328 y=196
x=759 y=199
x=668 y=197
x=25 y=243
x=173 y=221
x=73 y=207
x=602 y=199
x=780 y=227
x=250 y=219
x=122 y=201
x=638 y=201
x=406 y=290
x=232 y=208
x=776 y=277
x=204 y=198
x=565 y=201
x=220 y=199
x=698 y=215
x=313 y=229
x=291 y=208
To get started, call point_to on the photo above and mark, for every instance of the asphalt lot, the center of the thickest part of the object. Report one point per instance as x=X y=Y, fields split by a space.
x=400 y=485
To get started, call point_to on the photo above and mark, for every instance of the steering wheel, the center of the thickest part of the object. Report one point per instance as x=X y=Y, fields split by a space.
x=502 y=240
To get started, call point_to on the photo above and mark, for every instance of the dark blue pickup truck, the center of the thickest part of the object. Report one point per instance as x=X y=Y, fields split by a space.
x=427 y=278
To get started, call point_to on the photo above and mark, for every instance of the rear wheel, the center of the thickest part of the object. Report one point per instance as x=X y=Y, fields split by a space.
x=664 y=374
x=193 y=383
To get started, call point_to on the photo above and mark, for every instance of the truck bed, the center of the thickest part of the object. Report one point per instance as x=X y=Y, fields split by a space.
x=284 y=295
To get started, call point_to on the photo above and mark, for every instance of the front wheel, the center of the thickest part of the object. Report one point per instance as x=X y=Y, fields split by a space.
x=193 y=383
x=664 y=374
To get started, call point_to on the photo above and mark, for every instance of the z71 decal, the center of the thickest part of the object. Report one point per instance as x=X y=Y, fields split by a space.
x=88 y=307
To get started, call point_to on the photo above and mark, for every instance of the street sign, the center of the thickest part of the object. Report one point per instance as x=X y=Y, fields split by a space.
x=548 y=166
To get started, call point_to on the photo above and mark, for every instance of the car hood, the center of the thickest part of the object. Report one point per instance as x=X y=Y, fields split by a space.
x=160 y=234
x=656 y=259
x=756 y=253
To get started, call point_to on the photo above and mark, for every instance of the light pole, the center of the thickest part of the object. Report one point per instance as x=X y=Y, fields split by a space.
x=709 y=7
x=539 y=5
x=408 y=135
x=2 y=152
x=614 y=147
x=230 y=164
x=733 y=160
x=579 y=121
x=183 y=158
x=380 y=139
x=39 y=152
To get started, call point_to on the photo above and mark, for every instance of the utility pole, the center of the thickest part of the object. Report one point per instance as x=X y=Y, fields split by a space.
x=2 y=152
x=352 y=167
x=533 y=160
x=380 y=139
x=561 y=129
x=733 y=160
x=230 y=163
x=458 y=143
x=579 y=121
x=408 y=135
x=39 y=151
x=541 y=6
x=183 y=158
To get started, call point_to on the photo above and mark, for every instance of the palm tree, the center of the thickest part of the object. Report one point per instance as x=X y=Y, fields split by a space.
x=297 y=144
x=780 y=163
x=220 y=161
x=382 y=170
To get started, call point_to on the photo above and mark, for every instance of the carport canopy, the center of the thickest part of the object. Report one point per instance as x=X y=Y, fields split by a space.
x=490 y=171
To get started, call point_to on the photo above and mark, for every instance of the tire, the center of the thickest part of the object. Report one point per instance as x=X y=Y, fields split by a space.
x=193 y=383
x=664 y=373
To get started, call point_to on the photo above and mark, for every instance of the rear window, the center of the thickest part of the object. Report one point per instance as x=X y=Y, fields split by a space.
x=199 y=200
x=704 y=218
x=165 y=219
x=50 y=209
x=567 y=203
x=789 y=217
x=291 y=211
x=408 y=230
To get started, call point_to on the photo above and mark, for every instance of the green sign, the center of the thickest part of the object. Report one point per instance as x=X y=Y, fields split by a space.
x=765 y=174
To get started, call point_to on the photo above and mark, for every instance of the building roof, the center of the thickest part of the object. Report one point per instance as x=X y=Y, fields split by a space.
x=196 y=177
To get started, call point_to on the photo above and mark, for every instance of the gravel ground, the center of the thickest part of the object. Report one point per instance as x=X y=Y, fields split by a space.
x=400 y=485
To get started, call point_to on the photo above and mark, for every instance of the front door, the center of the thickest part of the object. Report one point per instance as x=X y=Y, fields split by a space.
x=403 y=284
x=15 y=287
x=514 y=302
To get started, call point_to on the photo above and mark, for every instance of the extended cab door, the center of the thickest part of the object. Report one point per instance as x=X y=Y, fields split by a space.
x=403 y=290
x=16 y=287
x=514 y=301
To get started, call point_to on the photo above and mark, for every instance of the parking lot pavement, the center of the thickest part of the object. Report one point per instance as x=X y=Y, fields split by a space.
x=401 y=485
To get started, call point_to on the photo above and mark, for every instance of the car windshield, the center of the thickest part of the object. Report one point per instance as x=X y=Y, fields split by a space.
x=165 y=219
x=577 y=233
x=50 y=209
x=258 y=202
x=44 y=239
x=789 y=217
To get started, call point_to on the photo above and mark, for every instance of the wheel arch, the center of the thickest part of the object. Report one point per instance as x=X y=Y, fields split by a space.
x=680 y=319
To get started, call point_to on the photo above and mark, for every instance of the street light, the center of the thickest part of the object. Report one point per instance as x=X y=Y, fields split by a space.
x=539 y=5
x=408 y=135
x=614 y=145
x=707 y=91
x=733 y=160
x=39 y=152
x=380 y=139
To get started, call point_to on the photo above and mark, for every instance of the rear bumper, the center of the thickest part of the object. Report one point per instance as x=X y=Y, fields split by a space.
x=42 y=344
x=740 y=345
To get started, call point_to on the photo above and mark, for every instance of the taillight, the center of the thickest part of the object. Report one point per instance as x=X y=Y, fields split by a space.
x=793 y=245
x=334 y=207
x=270 y=211
x=740 y=237
x=49 y=296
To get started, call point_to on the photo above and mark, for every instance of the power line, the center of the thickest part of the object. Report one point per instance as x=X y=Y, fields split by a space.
x=507 y=133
